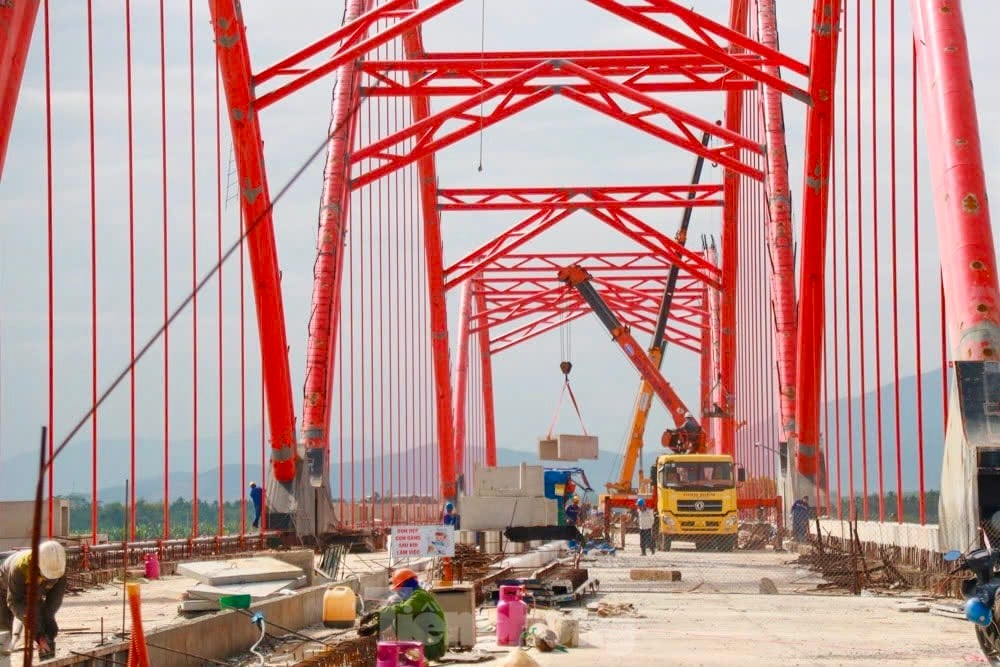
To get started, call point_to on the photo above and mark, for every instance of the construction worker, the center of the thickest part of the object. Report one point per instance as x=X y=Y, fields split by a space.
x=412 y=614
x=256 y=497
x=573 y=511
x=801 y=513
x=690 y=425
x=15 y=573
x=450 y=518
x=647 y=519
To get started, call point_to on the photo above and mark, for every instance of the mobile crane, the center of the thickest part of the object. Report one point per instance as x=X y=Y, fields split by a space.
x=694 y=492
x=679 y=439
x=657 y=349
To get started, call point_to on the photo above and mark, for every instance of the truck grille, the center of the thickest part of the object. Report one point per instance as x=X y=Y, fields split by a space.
x=699 y=506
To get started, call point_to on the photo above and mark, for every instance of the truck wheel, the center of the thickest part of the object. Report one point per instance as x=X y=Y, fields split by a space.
x=664 y=543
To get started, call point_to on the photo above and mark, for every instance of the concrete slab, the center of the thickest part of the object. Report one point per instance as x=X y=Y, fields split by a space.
x=239 y=571
x=257 y=591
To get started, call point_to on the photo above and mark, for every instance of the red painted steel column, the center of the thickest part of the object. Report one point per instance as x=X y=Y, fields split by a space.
x=486 y=366
x=462 y=374
x=965 y=237
x=17 y=22
x=779 y=229
x=715 y=336
x=328 y=270
x=234 y=65
x=730 y=257
x=433 y=247
x=706 y=369
x=815 y=204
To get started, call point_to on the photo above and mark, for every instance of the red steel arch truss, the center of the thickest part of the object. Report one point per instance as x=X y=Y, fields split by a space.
x=510 y=284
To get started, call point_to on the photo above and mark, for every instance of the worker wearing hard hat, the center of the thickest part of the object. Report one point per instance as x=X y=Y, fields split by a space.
x=412 y=614
x=15 y=573
x=646 y=522
x=449 y=518
x=690 y=425
x=573 y=511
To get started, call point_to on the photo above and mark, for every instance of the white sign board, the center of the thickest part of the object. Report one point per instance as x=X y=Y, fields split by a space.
x=422 y=541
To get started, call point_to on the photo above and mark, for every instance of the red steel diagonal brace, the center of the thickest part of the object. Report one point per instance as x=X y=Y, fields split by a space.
x=423 y=129
x=234 y=64
x=516 y=236
x=706 y=45
x=651 y=238
x=351 y=52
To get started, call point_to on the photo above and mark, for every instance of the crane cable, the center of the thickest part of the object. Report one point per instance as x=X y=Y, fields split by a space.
x=566 y=350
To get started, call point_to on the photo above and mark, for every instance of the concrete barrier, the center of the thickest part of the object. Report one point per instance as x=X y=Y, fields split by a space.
x=914 y=545
x=221 y=635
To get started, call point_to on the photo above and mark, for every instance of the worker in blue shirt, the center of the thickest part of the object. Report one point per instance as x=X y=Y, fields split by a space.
x=450 y=518
x=256 y=496
x=573 y=512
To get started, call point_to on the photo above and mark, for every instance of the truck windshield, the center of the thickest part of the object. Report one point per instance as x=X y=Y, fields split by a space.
x=716 y=475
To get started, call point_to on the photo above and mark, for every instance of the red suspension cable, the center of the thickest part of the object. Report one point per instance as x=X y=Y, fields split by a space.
x=93 y=270
x=131 y=263
x=166 y=277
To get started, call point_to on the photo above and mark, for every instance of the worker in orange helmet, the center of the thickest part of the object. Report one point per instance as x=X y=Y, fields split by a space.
x=412 y=614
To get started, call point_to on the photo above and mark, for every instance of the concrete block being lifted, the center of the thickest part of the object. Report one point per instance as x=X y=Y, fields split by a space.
x=498 y=513
x=508 y=481
x=567 y=447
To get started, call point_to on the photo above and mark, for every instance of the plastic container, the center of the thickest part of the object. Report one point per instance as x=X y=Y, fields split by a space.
x=151 y=563
x=340 y=607
x=512 y=614
x=400 y=654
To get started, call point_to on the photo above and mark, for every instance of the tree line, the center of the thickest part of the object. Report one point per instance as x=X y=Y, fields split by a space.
x=112 y=518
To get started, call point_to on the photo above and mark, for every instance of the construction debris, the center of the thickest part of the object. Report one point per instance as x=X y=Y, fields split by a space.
x=607 y=609
x=852 y=570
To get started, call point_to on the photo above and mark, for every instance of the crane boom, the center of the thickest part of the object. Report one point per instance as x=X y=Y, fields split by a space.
x=657 y=350
x=577 y=277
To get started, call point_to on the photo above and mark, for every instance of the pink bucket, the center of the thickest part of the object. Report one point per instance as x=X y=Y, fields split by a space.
x=400 y=654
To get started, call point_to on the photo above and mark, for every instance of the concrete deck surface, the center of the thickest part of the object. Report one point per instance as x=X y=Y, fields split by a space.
x=716 y=616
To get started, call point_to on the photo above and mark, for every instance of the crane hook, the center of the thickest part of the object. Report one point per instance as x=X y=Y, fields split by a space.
x=566 y=367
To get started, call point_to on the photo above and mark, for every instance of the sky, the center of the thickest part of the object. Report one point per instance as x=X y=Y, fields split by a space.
x=556 y=143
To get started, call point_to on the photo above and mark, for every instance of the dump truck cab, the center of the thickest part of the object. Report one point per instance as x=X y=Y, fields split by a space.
x=696 y=499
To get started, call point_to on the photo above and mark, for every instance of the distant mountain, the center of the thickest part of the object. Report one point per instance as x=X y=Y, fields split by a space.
x=933 y=435
x=72 y=470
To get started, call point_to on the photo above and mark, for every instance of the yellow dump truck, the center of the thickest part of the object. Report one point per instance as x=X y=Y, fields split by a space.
x=696 y=499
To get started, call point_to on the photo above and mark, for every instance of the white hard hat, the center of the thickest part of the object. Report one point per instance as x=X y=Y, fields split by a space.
x=688 y=415
x=51 y=560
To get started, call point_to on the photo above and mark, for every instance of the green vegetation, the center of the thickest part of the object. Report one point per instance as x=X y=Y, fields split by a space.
x=149 y=517
x=911 y=507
